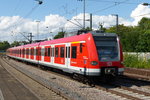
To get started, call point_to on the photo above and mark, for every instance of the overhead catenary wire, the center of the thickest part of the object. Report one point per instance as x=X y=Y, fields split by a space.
x=108 y=1
x=116 y=3
x=18 y=6
x=28 y=14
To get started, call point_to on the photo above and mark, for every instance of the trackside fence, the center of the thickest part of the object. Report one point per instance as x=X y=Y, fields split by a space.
x=140 y=55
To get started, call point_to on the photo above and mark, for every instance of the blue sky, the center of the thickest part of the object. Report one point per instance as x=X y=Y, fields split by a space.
x=67 y=8
x=20 y=15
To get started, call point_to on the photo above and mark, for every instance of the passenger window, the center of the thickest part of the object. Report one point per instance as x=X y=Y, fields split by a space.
x=27 y=51
x=53 y=52
x=49 y=52
x=69 y=52
x=30 y=51
x=66 y=51
x=81 y=47
x=37 y=51
x=42 y=51
x=62 y=49
x=33 y=51
x=46 y=52
x=74 y=52
x=56 y=51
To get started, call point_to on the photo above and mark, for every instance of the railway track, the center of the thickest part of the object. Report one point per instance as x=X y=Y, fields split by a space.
x=52 y=94
x=123 y=92
x=143 y=74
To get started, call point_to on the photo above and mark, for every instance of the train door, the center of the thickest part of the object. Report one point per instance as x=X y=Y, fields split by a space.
x=27 y=53
x=52 y=54
x=62 y=55
x=42 y=53
x=67 y=55
x=47 y=54
x=38 y=53
x=23 y=54
x=34 y=53
x=57 y=55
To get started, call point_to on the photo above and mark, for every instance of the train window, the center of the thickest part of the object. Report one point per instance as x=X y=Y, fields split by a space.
x=66 y=51
x=51 y=52
x=56 y=51
x=74 y=52
x=37 y=51
x=32 y=51
x=20 y=52
x=48 y=52
x=27 y=51
x=69 y=52
x=62 y=49
x=42 y=52
x=81 y=47
x=23 y=51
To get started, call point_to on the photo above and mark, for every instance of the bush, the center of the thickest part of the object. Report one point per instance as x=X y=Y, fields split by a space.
x=135 y=62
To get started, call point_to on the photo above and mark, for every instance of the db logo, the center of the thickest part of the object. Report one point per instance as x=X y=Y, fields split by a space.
x=109 y=63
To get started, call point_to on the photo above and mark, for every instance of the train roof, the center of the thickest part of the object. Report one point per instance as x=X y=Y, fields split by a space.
x=32 y=45
x=80 y=37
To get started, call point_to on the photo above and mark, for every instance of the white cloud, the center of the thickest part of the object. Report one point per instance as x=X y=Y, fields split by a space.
x=10 y=27
x=106 y=21
x=53 y=23
x=139 y=12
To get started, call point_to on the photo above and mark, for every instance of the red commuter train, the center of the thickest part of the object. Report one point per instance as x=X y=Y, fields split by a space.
x=90 y=54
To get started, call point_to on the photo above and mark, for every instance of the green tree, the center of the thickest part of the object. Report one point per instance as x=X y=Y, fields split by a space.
x=144 y=24
x=15 y=43
x=59 y=35
x=143 y=29
x=144 y=42
x=4 y=45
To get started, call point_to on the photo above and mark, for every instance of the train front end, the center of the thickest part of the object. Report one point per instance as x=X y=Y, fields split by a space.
x=109 y=53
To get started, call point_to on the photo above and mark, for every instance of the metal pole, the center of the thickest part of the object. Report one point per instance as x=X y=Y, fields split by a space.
x=84 y=14
x=117 y=23
x=91 y=21
x=30 y=37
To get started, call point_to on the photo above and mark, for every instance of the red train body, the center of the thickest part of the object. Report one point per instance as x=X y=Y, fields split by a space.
x=90 y=54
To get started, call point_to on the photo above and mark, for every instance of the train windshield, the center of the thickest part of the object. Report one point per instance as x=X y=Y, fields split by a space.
x=107 y=48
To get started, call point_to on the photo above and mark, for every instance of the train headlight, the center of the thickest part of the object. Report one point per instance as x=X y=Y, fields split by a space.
x=94 y=63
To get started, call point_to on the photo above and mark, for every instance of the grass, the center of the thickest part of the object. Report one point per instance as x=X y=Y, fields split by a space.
x=135 y=62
